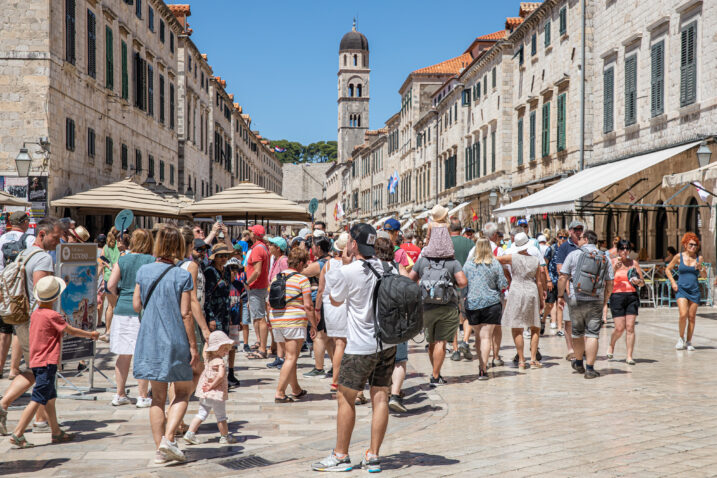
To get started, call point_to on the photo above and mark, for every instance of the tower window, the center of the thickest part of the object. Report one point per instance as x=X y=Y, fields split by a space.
x=351 y=90
x=355 y=60
x=358 y=91
x=344 y=60
x=358 y=120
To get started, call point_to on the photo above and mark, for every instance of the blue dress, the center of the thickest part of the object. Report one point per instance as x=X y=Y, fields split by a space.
x=162 y=351
x=688 y=286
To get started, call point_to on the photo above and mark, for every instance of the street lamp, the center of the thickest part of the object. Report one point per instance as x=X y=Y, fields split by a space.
x=189 y=193
x=493 y=198
x=23 y=161
x=703 y=155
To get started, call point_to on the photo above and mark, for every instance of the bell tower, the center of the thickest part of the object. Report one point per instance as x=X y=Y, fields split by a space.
x=353 y=92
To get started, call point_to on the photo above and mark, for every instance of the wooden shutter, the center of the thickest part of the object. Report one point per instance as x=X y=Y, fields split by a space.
x=109 y=59
x=534 y=44
x=161 y=100
x=150 y=91
x=547 y=33
x=485 y=155
x=467 y=161
x=630 y=90
x=108 y=150
x=70 y=31
x=657 y=79
x=561 y=122
x=608 y=99
x=688 y=65
x=492 y=153
x=546 y=129
x=532 y=133
x=125 y=75
x=476 y=159
x=123 y=156
x=520 y=141
x=563 y=20
x=91 y=44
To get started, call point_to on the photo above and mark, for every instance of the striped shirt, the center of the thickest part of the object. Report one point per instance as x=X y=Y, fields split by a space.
x=294 y=315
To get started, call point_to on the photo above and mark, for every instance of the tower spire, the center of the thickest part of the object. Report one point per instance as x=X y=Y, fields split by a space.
x=354 y=27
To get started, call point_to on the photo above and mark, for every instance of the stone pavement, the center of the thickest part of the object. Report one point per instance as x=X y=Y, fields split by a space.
x=656 y=418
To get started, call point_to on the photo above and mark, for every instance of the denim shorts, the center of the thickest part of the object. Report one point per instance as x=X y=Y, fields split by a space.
x=44 y=389
x=402 y=352
x=245 y=315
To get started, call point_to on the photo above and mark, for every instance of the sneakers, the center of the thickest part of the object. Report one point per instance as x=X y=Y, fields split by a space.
x=482 y=375
x=395 y=403
x=227 y=440
x=190 y=438
x=232 y=380
x=465 y=349
x=41 y=427
x=680 y=345
x=497 y=362
x=104 y=337
x=278 y=361
x=118 y=401
x=314 y=373
x=171 y=450
x=592 y=374
x=3 y=421
x=456 y=356
x=247 y=349
x=330 y=373
x=690 y=347
x=526 y=333
x=578 y=368
x=160 y=458
x=560 y=333
x=434 y=382
x=371 y=463
x=333 y=463
x=553 y=325
x=143 y=402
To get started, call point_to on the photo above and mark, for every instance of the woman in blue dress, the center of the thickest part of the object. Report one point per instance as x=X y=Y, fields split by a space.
x=166 y=346
x=687 y=287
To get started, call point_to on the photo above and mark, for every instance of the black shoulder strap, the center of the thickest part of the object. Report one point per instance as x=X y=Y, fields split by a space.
x=154 y=285
x=375 y=300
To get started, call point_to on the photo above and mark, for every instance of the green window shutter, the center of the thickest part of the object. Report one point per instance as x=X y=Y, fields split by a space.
x=532 y=132
x=546 y=129
x=561 y=122
x=492 y=153
x=467 y=153
x=608 y=100
x=485 y=155
x=125 y=77
x=534 y=44
x=630 y=90
x=563 y=20
x=688 y=65
x=493 y=77
x=91 y=44
x=109 y=59
x=70 y=31
x=657 y=79
x=547 y=33
x=520 y=142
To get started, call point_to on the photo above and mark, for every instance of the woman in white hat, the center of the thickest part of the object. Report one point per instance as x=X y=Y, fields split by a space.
x=525 y=298
x=438 y=239
x=335 y=317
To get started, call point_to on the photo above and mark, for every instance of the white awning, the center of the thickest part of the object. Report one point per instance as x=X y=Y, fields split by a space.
x=381 y=221
x=407 y=224
x=460 y=207
x=696 y=175
x=561 y=197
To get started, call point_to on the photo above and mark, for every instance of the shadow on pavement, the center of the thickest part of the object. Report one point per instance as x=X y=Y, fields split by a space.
x=407 y=459
x=88 y=425
x=251 y=382
x=417 y=411
x=29 y=466
x=82 y=437
x=645 y=360
x=612 y=371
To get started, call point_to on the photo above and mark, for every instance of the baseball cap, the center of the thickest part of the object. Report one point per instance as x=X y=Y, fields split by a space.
x=575 y=224
x=319 y=233
x=200 y=244
x=258 y=229
x=279 y=242
x=304 y=232
x=392 y=225
x=17 y=217
x=365 y=237
x=522 y=222
x=541 y=238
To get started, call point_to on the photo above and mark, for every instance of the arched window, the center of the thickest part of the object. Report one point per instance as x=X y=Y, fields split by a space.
x=660 y=232
x=358 y=91
x=358 y=120
x=351 y=90
x=694 y=221
x=355 y=60
x=344 y=60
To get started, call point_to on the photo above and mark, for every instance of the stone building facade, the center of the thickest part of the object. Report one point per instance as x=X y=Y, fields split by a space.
x=305 y=181
x=115 y=89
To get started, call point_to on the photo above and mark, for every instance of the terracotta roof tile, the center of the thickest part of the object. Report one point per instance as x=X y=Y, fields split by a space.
x=452 y=66
x=182 y=10
x=526 y=8
x=495 y=36
x=512 y=22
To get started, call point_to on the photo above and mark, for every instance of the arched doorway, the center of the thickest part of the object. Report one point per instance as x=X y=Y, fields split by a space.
x=660 y=232
x=693 y=221
x=634 y=228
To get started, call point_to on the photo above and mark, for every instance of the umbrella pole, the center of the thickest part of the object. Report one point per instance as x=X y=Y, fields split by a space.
x=246 y=220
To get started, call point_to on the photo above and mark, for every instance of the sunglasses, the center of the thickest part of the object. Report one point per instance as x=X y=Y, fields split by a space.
x=692 y=244
x=222 y=256
x=623 y=248
x=562 y=237
x=578 y=229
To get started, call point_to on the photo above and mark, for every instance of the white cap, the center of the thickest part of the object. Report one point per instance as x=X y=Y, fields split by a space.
x=541 y=238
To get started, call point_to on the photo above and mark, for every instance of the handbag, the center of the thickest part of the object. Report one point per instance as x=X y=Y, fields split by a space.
x=151 y=289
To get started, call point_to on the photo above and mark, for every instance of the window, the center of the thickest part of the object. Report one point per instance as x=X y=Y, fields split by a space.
x=485 y=84
x=561 y=122
x=138 y=8
x=657 y=79
x=608 y=100
x=108 y=150
x=546 y=34
x=493 y=77
x=125 y=76
x=476 y=160
x=534 y=44
x=485 y=155
x=563 y=20
x=137 y=161
x=520 y=141
x=631 y=90
x=69 y=134
x=532 y=129
x=546 y=130
x=688 y=65
x=161 y=99
x=139 y=79
x=109 y=60
x=150 y=18
x=91 y=44
x=161 y=30
x=70 y=31
x=171 y=106
x=150 y=166
x=521 y=57
x=449 y=178
x=90 y=142
x=171 y=42
x=492 y=151
x=150 y=90
x=358 y=91
x=171 y=174
x=189 y=64
x=161 y=174
x=477 y=95
x=355 y=60
x=123 y=156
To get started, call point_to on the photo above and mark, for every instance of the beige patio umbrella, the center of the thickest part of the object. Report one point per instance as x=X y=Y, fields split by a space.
x=246 y=201
x=125 y=194
x=10 y=200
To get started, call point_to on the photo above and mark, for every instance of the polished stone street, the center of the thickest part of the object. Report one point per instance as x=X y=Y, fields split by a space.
x=657 y=418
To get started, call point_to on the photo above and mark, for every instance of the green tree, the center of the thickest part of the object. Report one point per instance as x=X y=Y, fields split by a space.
x=318 y=152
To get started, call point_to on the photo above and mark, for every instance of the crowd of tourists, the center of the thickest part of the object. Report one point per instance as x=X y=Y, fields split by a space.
x=178 y=304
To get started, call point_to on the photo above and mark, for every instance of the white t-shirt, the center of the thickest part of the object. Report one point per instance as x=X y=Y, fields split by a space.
x=12 y=236
x=354 y=287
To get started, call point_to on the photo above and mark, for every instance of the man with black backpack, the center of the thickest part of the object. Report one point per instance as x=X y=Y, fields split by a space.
x=590 y=275
x=16 y=239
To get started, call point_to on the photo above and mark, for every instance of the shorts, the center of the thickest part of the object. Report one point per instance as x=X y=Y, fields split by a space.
x=321 y=326
x=44 y=389
x=462 y=303
x=624 y=303
x=5 y=328
x=206 y=405
x=566 y=311
x=123 y=334
x=257 y=303
x=375 y=368
x=22 y=331
x=402 y=352
x=586 y=318
x=490 y=315
x=552 y=295
x=282 y=334
x=245 y=315
x=441 y=322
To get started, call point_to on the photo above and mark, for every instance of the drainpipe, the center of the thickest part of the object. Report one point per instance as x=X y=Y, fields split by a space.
x=435 y=163
x=582 y=92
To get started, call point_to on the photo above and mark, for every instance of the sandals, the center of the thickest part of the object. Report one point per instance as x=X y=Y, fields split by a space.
x=535 y=364
x=20 y=441
x=285 y=399
x=257 y=355
x=570 y=357
x=609 y=355
x=182 y=428
x=302 y=393
x=63 y=437
x=630 y=362
x=522 y=366
x=255 y=346
x=361 y=400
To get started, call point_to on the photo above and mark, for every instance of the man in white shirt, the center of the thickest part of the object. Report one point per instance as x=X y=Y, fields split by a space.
x=363 y=359
x=19 y=224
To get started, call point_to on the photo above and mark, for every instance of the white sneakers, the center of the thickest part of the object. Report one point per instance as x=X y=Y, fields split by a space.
x=682 y=344
x=171 y=450
x=690 y=347
x=143 y=402
x=118 y=401
x=553 y=325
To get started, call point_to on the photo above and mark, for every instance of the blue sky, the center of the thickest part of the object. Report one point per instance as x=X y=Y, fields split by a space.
x=280 y=58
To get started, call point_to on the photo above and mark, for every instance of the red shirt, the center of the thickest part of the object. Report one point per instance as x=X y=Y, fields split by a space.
x=259 y=253
x=46 y=326
x=412 y=250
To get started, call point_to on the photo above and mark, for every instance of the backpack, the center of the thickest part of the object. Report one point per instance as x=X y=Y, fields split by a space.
x=14 y=294
x=12 y=249
x=437 y=283
x=398 y=309
x=277 y=291
x=589 y=276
